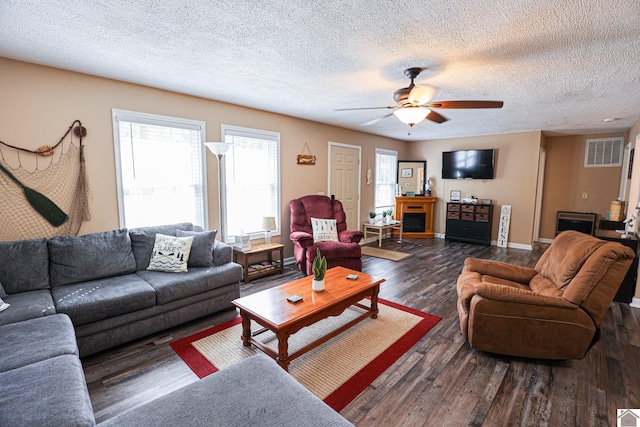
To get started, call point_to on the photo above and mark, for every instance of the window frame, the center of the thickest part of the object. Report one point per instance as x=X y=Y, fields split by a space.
x=382 y=151
x=118 y=115
x=256 y=134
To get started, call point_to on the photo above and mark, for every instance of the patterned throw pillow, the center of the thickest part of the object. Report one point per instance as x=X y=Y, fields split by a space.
x=324 y=230
x=3 y=305
x=170 y=253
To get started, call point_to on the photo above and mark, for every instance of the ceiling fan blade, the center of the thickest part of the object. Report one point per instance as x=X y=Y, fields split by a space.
x=374 y=121
x=465 y=104
x=421 y=94
x=436 y=117
x=365 y=108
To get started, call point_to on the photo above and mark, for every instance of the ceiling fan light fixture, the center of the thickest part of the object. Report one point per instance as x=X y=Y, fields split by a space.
x=411 y=115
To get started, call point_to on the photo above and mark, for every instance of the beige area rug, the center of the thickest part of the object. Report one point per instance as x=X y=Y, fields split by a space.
x=336 y=371
x=384 y=253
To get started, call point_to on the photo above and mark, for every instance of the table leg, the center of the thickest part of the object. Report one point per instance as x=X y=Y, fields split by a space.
x=400 y=241
x=283 y=350
x=246 y=330
x=374 y=302
x=380 y=237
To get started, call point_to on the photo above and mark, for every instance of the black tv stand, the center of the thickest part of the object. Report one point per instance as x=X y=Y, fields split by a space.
x=469 y=223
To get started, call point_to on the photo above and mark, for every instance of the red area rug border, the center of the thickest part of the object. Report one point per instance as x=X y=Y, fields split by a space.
x=348 y=391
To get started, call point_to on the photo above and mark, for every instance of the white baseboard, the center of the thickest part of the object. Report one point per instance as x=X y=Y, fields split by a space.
x=635 y=303
x=543 y=240
x=289 y=261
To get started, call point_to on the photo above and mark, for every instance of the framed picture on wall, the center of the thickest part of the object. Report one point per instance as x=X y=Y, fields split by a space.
x=406 y=173
x=455 y=195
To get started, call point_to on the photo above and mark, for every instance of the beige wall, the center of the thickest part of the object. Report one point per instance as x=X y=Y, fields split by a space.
x=566 y=178
x=39 y=103
x=516 y=166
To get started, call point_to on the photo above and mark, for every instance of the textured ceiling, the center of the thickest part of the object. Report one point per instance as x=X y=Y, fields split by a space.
x=558 y=65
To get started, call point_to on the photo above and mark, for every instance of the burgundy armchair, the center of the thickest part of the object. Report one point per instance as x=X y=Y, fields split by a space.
x=345 y=252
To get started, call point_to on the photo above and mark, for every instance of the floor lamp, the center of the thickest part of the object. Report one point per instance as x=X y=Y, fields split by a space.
x=219 y=149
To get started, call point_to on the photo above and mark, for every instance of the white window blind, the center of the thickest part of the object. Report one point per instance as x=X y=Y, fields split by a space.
x=252 y=180
x=159 y=169
x=386 y=176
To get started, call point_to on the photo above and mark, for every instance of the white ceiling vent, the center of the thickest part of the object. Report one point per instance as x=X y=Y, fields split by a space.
x=604 y=152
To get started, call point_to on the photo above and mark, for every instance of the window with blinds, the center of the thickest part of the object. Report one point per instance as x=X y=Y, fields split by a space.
x=251 y=180
x=386 y=176
x=160 y=170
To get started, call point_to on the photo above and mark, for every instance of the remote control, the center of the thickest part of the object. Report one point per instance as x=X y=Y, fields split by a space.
x=294 y=299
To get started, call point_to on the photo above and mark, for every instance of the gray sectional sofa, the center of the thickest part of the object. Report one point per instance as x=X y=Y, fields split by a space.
x=72 y=296
x=100 y=281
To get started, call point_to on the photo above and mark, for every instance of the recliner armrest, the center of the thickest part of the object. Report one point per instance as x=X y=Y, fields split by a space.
x=302 y=238
x=488 y=267
x=350 y=236
x=522 y=296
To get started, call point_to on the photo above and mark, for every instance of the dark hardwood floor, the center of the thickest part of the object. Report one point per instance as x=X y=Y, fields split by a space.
x=441 y=381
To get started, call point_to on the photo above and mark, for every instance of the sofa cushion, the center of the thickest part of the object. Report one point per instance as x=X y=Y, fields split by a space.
x=170 y=287
x=267 y=394
x=25 y=265
x=101 y=299
x=27 y=305
x=76 y=259
x=170 y=254
x=143 y=239
x=51 y=335
x=52 y=392
x=202 y=247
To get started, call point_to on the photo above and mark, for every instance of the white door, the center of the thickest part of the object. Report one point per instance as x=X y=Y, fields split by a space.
x=542 y=160
x=344 y=180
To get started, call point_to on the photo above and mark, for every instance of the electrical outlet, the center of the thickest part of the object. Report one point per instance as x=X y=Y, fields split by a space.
x=585 y=195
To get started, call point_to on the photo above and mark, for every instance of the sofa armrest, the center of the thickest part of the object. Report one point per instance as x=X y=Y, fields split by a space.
x=222 y=253
x=521 y=296
x=302 y=238
x=488 y=267
x=350 y=236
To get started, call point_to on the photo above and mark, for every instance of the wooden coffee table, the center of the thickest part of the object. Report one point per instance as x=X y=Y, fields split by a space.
x=271 y=309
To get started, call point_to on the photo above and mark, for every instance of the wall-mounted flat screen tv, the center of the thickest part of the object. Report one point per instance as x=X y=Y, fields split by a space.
x=468 y=164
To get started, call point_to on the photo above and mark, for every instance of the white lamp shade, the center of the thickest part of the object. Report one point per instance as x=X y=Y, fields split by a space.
x=218 y=148
x=268 y=223
x=411 y=115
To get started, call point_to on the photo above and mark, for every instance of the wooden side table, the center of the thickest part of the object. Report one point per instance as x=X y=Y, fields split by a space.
x=270 y=266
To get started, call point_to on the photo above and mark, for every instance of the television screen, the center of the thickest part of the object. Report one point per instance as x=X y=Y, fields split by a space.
x=467 y=164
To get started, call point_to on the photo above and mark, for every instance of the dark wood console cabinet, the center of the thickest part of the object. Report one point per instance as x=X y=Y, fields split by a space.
x=628 y=286
x=469 y=223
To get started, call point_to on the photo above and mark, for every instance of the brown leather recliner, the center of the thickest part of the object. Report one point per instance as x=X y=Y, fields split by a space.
x=552 y=311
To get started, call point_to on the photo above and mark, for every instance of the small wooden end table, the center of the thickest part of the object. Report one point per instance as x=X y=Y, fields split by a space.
x=271 y=309
x=380 y=228
x=272 y=266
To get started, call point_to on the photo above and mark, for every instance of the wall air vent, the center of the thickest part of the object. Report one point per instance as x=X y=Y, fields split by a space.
x=604 y=152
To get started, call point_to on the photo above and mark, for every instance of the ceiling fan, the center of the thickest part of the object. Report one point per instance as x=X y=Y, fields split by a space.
x=414 y=106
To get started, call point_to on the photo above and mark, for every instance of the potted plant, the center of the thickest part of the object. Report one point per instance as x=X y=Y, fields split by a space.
x=372 y=217
x=384 y=216
x=389 y=213
x=319 y=268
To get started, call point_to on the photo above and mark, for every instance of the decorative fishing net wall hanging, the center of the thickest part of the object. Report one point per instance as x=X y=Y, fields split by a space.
x=44 y=192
